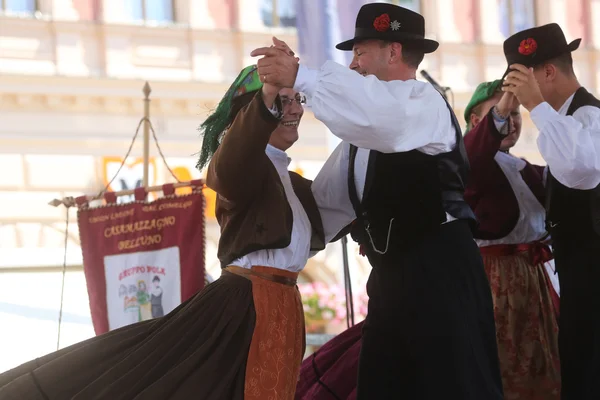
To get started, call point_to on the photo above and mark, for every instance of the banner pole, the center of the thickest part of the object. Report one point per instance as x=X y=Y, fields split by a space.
x=147 y=92
x=70 y=201
x=62 y=286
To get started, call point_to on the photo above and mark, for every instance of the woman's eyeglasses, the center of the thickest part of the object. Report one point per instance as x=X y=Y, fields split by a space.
x=301 y=100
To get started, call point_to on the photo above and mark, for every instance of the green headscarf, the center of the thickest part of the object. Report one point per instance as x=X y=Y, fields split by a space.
x=215 y=125
x=484 y=91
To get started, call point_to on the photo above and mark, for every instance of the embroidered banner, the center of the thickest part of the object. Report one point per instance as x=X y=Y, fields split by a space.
x=141 y=259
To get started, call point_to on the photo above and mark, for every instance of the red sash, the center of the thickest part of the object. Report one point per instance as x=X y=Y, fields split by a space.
x=539 y=252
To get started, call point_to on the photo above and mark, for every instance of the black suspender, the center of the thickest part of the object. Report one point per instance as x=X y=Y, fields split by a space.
x=352 y=190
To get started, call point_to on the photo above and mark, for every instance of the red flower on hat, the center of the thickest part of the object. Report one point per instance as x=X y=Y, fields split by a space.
x=382 y=23
x=528 y=46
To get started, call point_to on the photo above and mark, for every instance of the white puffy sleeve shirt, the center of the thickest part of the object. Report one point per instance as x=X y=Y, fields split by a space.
x=387 y=116
x=570 y=145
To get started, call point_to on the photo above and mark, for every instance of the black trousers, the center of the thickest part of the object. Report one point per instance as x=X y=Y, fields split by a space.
x=430 y=331
x=578 y=267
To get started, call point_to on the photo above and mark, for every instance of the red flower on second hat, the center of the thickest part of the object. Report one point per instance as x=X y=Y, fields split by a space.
x=382 y=23
x=528 y=46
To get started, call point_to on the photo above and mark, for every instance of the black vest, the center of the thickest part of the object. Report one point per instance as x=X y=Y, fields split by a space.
x=572 y=214
x=413 y=188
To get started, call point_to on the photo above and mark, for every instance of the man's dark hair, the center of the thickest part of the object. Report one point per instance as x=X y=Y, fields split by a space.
x=564 y=63
x=411 y=54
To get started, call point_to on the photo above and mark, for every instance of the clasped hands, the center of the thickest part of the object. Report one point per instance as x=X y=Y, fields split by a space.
x=278 y=66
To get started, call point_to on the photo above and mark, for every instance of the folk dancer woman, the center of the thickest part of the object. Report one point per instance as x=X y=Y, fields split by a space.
x=507 y=195
x=242 y=337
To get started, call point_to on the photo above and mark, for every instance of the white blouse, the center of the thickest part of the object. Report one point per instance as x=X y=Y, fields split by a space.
x=292 y=258
x=531 y=225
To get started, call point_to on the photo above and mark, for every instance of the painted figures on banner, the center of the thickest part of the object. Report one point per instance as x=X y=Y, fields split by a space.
x=136 y=300
x=142 y=285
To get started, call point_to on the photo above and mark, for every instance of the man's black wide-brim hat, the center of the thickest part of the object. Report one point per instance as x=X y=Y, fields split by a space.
x=384 y=21
x=535 y=46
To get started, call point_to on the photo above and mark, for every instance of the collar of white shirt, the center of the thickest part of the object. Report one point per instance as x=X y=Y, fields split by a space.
x=565 y=107
x=278 y=156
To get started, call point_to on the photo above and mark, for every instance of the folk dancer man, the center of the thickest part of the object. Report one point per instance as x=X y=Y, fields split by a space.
x=507 y=195
x=430 y=331
x=541 y=76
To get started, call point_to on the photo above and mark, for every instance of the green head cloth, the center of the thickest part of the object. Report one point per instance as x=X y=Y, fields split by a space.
x=484 y=91
x=215 y=125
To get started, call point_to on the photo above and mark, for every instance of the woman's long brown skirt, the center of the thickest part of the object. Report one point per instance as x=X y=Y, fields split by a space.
x=240 y=337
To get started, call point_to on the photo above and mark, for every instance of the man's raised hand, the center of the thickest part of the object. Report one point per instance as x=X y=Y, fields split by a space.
x=522 y=83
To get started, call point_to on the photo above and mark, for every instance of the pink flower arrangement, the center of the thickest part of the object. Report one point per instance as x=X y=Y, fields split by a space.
x=325 y=305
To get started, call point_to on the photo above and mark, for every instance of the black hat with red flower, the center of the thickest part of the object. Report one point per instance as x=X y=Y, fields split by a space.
x=384 y=21
x=535 y=46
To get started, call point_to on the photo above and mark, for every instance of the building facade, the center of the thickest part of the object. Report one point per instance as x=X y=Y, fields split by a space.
x=71 y=78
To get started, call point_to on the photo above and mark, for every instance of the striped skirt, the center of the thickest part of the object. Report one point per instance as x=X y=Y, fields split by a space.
x=526 y=324
x=242 y=337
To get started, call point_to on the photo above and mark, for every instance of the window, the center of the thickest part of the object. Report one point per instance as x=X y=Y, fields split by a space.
x=278 y=13
x=515 y=16
x=155 y=12
x=410 y=4
x=88 y=10
x=19 y=7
